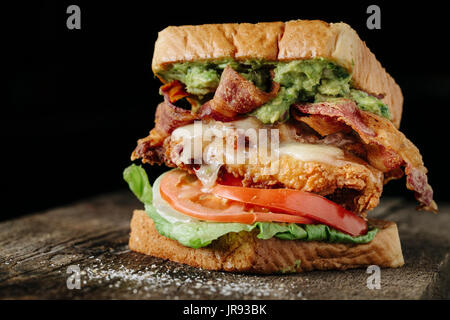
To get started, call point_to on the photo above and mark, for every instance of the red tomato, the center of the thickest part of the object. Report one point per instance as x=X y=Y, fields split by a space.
x=185 y=193
x=298 y=203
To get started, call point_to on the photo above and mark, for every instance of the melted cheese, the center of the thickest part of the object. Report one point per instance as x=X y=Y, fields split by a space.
x=213 y=154
x=205 y=142
x=312 y=152
x=322 y=153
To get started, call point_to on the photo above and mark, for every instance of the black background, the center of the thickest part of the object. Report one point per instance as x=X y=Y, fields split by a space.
x=77 y=100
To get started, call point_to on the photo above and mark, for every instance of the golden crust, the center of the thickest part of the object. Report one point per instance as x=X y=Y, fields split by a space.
x=363 y=182
x=320 y=178
x=243 y=252
x=300 y=39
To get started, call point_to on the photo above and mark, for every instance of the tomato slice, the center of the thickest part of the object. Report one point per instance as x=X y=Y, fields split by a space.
x=185 y=193
x=297 y=203
x=229 y=179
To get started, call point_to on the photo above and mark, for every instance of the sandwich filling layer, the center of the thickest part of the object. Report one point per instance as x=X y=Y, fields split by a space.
x=300 y=160
x=312 y=80
x=196 y=233
x=289 y=149
x=366 y=139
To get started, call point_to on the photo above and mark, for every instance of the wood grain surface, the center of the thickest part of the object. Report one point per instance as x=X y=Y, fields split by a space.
x=37 y=250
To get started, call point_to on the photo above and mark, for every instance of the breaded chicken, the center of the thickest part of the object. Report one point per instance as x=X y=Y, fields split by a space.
x=349 y=180
x=362 y=183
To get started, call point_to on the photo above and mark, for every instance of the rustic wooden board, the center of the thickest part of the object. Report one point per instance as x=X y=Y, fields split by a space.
x=36 y=251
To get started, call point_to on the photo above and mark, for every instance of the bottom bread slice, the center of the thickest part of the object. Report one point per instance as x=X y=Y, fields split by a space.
x=244 y=252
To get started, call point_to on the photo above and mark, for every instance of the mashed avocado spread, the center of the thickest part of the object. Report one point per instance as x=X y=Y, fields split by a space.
x=313 y=80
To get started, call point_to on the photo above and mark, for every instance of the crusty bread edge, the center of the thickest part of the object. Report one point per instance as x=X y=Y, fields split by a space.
x=292 y=40
x=243 y=252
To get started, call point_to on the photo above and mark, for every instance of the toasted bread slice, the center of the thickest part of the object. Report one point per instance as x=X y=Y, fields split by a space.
x=281 y=41
x=244 y=252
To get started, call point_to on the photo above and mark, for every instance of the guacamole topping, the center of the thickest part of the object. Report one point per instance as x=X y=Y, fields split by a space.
x=312 y=80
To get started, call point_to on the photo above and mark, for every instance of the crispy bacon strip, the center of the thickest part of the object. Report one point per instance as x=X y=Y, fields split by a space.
x=234 y=96
x=323 y=125
x=388 y=148
x=343 y=111
x=416 y=179
x=168 y=117
x=174 y=91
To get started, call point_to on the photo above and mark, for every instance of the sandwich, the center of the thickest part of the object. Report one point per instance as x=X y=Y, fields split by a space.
x=280 y=137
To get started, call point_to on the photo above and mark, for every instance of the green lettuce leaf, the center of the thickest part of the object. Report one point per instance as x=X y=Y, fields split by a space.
x=320 y=232
x=285 y=231
x=202 y=233
x=137 y=180
x=194 y=234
